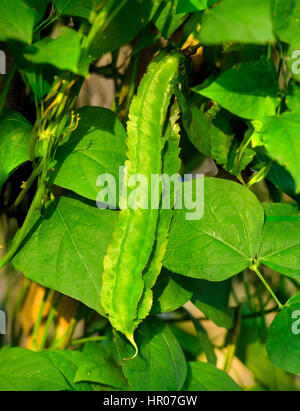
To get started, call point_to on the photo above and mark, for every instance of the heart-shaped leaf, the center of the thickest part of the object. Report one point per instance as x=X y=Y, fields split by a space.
x=281 y=239
x=249 y=22
x=15 y=133
x=206 y=377
x=286 y=151
x=160 y=364
x=67 y=244
x=24 y=370
x=225 y=241
x=96 y=147
x=248 y=90
x=283 y=344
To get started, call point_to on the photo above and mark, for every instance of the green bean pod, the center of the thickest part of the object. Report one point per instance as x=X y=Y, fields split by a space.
x=131 y=246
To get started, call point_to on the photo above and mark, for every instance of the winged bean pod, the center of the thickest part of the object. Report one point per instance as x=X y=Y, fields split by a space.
x=134 y=235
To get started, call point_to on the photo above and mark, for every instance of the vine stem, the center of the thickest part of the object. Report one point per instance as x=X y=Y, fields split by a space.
x=20 y=234
x=132 y=85
x=27 y=186
x=256 y=270
x=102 y=22
x=202 y=335
x=82 y=341
x=46 y=23
x=233 y=337
x=260 y=313
x=36 y=203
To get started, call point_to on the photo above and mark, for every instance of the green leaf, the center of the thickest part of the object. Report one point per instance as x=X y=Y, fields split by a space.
x=188 y=342
x=67 y=362
x=40 y=80
x=286 y=22
x=207 y=345
x=293 y=97
x=190 y=6
x=96 y=147
x=39 y=7
x=287 y=26
x=63 y=52
x=195 y=345
x=264 y=371
x=123 y=28
x=78 y=8
x=160 y=364
x=67 y=244
x=24 y=370
x=212 y=299
x=283 y=344
x=286 y=151
x=98 y=366
x=166 y=18
x=206 y=377
x=242 y=158
x=206 y=137
x=225 y=241
x=249 y=22
x=15 y=133
x=248 y=90
x=240 y=155
x=17 y=21
x=281 y=239
x=278 y=175
x=171 y=291
x=282 y=179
